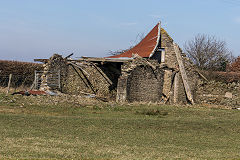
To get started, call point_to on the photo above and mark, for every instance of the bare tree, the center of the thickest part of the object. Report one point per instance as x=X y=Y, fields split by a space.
x=138 y=39
x=208 y=52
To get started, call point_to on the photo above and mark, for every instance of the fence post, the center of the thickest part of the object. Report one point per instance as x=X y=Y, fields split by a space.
x=33 y=86
x=9 y=83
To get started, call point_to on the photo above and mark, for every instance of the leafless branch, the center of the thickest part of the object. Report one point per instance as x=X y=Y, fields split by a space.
x=208 y=52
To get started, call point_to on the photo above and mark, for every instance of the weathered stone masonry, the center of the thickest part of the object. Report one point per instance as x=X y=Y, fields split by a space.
x=140 y=82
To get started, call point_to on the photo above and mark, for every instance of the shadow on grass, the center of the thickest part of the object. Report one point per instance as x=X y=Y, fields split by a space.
x=153 y=112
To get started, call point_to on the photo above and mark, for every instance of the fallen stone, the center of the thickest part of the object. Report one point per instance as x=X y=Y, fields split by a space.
x=228 y=95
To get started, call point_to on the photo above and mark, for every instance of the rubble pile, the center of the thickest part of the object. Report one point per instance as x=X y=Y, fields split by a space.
x=220 y=93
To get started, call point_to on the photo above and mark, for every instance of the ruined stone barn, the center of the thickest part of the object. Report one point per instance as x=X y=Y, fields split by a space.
x=155 y=70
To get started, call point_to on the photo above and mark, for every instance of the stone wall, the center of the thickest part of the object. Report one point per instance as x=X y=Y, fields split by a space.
x=141 y=80
x=172 y=69
x=145 y=84
x=87 y=80
x=167 y=44
x=56 y=63
x=79 y=78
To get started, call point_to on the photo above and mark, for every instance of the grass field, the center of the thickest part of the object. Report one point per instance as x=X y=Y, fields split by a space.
x=111 y=131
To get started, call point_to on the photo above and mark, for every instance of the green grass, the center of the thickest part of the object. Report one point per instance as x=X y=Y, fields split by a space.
x=117 y=132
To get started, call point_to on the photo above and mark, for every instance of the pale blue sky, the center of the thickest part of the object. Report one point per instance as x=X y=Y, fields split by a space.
x=38 y=28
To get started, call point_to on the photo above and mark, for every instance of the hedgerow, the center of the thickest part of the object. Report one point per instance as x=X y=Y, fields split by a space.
x=22 y=72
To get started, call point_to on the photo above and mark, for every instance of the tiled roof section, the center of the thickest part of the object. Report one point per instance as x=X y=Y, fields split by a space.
x=146 y=47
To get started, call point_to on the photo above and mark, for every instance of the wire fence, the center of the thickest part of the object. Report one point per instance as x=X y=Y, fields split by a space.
x=32 y=81
x=52 y=79
x=16 y=80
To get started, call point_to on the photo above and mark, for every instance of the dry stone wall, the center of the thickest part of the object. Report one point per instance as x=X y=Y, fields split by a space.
x=172 y=69
x=86 y=80
x=167 y=44
x=56 y=64
x=141 y=80
x=145 y=84
x=76 y=78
